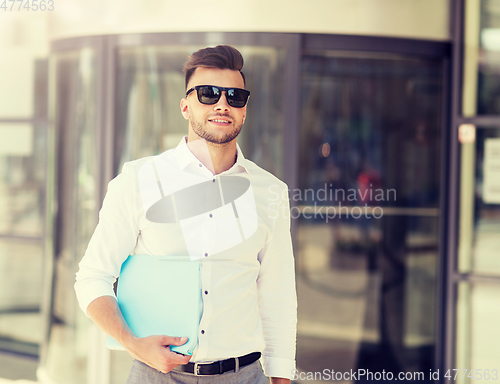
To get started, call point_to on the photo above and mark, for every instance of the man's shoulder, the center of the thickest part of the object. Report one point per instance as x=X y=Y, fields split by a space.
x=137 y=164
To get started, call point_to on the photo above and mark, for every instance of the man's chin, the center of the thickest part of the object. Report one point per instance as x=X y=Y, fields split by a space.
x=219 y=138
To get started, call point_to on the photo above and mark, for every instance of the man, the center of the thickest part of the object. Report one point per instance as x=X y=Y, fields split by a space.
x=247 y=271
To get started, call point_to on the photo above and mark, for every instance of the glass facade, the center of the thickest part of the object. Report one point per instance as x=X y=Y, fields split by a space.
x=486 y=209
x=478 y=268
x=488 y=64
x=76 y=169
x=403 y=292
x=367 y=260
x=23 y=152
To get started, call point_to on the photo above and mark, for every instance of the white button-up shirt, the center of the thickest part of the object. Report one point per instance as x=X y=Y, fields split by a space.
x=248 y=296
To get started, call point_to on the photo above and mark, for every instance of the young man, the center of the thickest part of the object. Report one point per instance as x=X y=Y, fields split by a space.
x=244 y=247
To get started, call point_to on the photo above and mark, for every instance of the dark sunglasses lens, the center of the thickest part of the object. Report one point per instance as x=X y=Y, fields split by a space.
x=237 y=98
x=208 y=95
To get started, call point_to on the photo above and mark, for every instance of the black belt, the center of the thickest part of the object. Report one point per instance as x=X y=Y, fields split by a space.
x=218 y=367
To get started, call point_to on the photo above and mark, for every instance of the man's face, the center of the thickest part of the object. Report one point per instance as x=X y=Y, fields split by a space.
x=218 y=123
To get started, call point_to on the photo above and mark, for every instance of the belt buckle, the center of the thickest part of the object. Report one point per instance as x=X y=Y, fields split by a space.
x=196 y=369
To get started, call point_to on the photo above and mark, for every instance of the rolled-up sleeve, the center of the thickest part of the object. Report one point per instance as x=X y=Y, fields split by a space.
x=114 y=238
x=277 y=298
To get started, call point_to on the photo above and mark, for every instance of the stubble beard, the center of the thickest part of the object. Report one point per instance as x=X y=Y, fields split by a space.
x=200 y=130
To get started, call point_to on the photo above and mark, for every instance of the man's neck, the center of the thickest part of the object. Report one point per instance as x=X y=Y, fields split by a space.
x=216 y=157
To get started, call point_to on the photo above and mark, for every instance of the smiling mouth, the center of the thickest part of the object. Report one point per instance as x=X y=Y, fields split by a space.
x=221 y=121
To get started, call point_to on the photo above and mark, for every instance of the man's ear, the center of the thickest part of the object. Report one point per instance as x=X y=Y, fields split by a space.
x=184 y=108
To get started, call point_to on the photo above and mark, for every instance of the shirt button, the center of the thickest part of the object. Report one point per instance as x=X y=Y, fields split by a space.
x=206 y=292
x=200 y=165
x=202 y=332
x=206 y=254
x=213 y=181
x=210 y=215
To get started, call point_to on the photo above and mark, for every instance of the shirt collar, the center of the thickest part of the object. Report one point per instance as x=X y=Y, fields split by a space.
x=185 y=157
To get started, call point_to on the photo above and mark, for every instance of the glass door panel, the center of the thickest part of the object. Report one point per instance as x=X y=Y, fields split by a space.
x=367 y=210
x=22 y=194
x=150 y=85
x=481 y=227
x=478 y=305
x=483 y=55
x=76 y=170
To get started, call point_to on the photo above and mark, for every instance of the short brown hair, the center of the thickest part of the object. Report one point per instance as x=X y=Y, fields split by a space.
x=221 y=56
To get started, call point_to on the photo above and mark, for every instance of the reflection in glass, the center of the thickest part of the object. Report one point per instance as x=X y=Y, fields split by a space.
x=486 y=206
x=22 y=179
x=22 y=201
x=75 y=220
x=369 y=156
x=488 y=59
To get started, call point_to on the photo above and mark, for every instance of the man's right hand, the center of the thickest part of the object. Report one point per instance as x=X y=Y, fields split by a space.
x=155 y=351
x=152 y=350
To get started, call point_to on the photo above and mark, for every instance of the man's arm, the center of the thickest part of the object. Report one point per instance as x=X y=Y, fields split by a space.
x=277 y=297
x=113 y=240
x=153 y=350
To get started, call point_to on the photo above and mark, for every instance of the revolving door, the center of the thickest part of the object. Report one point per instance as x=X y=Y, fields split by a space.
x=326 y=115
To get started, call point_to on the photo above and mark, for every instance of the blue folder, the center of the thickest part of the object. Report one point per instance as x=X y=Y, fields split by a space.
x=160 y=295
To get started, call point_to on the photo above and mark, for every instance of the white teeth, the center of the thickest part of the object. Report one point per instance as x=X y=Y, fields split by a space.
x=220 y=121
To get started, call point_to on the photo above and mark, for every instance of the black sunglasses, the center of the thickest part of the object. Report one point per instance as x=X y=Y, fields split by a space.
x=210 y=94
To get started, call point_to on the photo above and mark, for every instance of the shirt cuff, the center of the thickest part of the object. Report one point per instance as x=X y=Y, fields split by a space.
x=278 y=367
x=87 y=292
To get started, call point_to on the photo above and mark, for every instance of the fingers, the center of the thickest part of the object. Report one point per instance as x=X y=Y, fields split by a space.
x=169 y=340
x=177 y=358
x=155 y=352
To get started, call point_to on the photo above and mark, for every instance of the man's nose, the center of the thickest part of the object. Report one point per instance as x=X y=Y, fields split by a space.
x=222 y=103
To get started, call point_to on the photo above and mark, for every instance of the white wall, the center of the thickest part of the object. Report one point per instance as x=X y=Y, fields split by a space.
x=424 y=19
x=25 y=35
x=23 y=39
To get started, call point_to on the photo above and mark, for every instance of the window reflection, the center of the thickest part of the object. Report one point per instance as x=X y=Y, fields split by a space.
x=488 y=59
x=370 y=145
x=22 y=201
x=75 y=220
x=22 y=179
x=486 y=214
